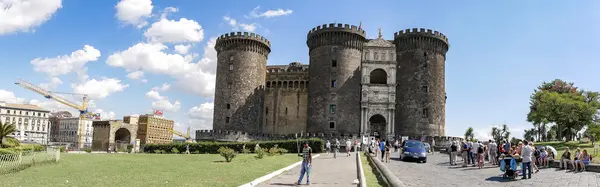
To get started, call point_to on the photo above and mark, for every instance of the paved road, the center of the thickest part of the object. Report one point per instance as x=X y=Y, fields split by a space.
x=325 y=171
x=437 y=172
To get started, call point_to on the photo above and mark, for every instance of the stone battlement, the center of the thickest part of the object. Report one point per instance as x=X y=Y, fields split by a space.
x=332 y=27
x=421 y=32
x=244 y=35
x=292 y=67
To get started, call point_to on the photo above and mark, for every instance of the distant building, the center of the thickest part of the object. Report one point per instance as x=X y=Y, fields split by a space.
x=54 y=121
x=31 y=121
x=153 y=129
x=76 y=131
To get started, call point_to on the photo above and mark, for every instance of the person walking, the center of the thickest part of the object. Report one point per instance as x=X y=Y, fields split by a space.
x=336 y=148
x=348 y=147
x=473 y=152
x=480 y=155
x=382 y=148
x=492 y=152
x=306 y=164
x=526 y=155
x=328 y=147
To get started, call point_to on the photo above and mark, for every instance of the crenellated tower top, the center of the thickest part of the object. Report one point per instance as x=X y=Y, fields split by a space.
x=420 y=38
x=336 y=34
x=243 y=41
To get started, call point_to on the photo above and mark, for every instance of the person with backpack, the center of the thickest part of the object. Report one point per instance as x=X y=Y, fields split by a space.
x=465 y=153
x=336 y=148
x=453 y=153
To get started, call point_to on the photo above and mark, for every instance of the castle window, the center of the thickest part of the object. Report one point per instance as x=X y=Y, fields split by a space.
x=332 y=108
x=425 y=112
x=226 y=119
x=426 y=64
x=268 y=84
x=229 y=85
x=286 y=110
x=378 y=76
x=333 y=83
x=230 y=67
x=228 y=106
x=333 y=63
x=332 y=125
x=425 y=89
x=231 y=57
x=267 y=110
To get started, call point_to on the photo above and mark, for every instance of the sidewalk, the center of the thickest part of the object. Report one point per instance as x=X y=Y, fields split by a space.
x=325 y=171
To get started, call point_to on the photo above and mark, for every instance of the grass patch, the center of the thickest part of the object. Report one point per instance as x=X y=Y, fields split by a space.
x=148 y=170
x=573 y=145
x=373 y=177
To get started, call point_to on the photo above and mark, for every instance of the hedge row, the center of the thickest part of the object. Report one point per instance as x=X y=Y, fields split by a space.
x=211 y=147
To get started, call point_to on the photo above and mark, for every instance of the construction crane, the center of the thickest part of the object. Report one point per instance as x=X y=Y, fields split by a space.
x=186 y=136
x=82 y=108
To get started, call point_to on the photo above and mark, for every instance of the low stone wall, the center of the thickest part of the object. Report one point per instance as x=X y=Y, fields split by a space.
x=591 y=167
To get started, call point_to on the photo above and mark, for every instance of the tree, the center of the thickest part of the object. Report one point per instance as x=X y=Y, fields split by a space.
x=593 y=131
x=469 y=134
x=529 y=134
x=565 y=105
x=500 y=134
x=551 y=134
x=5 y=130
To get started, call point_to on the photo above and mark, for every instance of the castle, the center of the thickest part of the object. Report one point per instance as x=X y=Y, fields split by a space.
x=352 y=85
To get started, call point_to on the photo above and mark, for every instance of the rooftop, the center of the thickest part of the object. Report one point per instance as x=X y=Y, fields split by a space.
x=22 y=106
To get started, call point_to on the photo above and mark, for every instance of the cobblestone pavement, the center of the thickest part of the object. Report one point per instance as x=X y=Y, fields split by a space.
x=325 y=171
x=438 y=172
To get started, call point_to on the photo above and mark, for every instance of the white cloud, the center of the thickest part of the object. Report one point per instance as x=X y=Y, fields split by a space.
x=152 y=58
x=134 y=12
x=10 y=97
x=137 y=75
x=99 y=89
x=167 y=11
x=486 y=133
x=106 y=115
x=26 y=15
x=236 y=25
x=201 y=116
x=163 y=87
x=54 y=106
x=54 y=82
x=61 y=65
x=172 y=31
x=269 y=13
x=182 y=49
x=162 y=103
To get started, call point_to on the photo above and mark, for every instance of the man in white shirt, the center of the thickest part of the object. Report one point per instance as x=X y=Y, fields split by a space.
x=492 y=148
x=473 y=153
x=527 y=155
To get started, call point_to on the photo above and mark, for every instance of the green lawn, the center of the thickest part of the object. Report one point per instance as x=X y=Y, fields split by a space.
x=560 y=148
x=147 y=170
x=372 y=176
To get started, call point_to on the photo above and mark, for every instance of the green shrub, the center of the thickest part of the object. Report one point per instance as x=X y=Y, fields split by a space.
x=196 y=152
x=273 y=151
x=62 y=149
x=246 y=151
x=227 y=153
x=212 y=147
x=129 y=148
x=282 y=151
x=158 y=151
x=10 y=142
x=88 y=150
x=260 y=153
x=174 y=150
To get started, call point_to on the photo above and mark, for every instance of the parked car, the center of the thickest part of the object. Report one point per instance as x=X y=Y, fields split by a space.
x=427 y=147
x=413 y=150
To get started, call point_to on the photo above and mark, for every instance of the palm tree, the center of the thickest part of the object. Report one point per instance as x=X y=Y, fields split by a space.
x=500 y=134
x=5 y=130
x=469 y=134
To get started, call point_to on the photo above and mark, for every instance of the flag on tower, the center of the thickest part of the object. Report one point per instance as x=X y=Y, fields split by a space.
x=360 y=25
x=158 y=112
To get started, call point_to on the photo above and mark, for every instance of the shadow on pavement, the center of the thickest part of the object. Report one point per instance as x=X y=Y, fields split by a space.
x=282 y=184
x=499 y=179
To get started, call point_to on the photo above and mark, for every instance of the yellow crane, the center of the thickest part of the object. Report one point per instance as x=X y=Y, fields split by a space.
x=186 y=136
x=82 y=108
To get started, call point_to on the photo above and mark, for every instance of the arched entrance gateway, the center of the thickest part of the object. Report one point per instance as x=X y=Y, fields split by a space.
x=122 y=139
x=377 y=126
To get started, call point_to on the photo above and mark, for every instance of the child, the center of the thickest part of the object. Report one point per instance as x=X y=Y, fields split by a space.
x=480 y=156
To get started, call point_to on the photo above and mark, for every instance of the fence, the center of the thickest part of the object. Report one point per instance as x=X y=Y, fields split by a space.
x=22 y=160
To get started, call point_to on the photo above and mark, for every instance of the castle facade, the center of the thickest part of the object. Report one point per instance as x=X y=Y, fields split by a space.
x=352 y=85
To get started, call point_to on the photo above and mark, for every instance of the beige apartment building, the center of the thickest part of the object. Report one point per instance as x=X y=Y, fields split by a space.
x=152 y=128
x=31 y=121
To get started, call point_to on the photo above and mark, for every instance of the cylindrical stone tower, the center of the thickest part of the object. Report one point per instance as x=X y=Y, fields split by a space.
x=241 y=75
x=334 y=78
x=421 y=92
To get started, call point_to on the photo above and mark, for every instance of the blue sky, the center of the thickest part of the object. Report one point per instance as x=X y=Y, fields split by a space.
x=499 y=51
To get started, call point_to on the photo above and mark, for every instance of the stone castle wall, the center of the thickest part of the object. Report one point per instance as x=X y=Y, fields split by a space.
x=286 y=99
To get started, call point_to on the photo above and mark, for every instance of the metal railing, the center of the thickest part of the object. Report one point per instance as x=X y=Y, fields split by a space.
x=24 y=159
